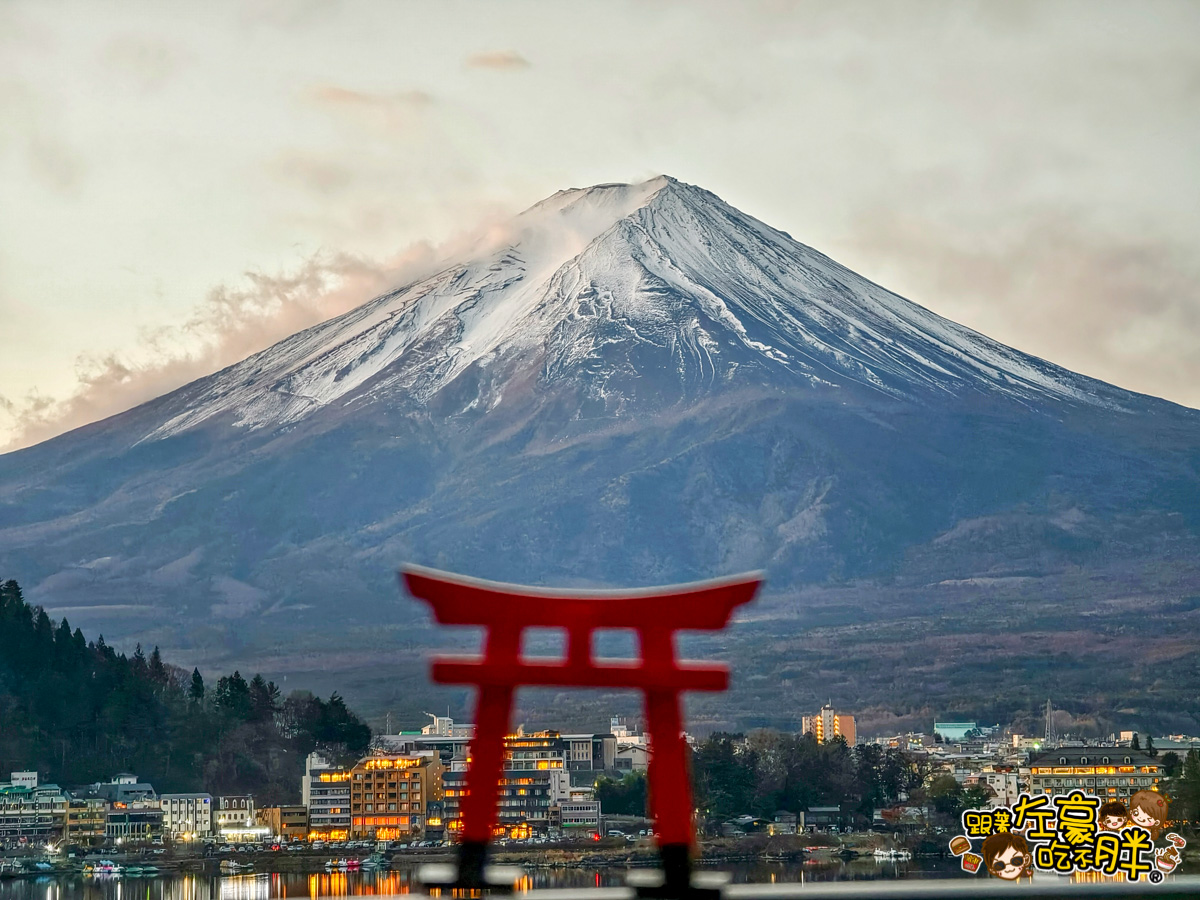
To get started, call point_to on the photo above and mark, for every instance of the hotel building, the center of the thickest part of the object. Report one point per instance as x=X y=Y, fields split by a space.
x=29 y=810
x=828 y=725
x=325 y=792
x=1113 y=772
x=389 y=795
x=536 y=778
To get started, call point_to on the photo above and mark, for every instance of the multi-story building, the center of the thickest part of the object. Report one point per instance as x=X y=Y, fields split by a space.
x=535 y=779
x=31 y=811
x=235 y=820
x=187 y=816
x=288 y=823
x=389 y=794
x=828 y=724
x=578 y=815
x=325 y=793
x=124 y=788
x=590 y=755
x=87 y=820
x=1113 y=772
x=137 y=820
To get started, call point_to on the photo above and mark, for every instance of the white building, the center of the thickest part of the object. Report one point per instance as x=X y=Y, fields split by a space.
x=578 y=814
x=236 y=820
x=187 y=816
x=632 y=758
x=443 y=726
x=325 y=790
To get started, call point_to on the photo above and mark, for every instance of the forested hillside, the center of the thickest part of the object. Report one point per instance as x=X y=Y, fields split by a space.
x=78 y=711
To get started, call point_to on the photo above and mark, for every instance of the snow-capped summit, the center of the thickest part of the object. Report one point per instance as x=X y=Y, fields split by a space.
x=625 y=385
x=659 y=264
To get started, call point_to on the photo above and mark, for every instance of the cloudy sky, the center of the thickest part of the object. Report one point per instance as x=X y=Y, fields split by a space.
x=182 y=184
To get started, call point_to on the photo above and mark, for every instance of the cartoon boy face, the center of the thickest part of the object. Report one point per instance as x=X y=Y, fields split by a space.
x=1006 y=855
x=1113 y=816
x=1009 y=863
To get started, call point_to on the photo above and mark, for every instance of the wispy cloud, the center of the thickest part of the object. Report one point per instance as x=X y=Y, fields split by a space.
x=31 y=125
x=145 y=62
x=234 y=322
x=1118 y=306
x=503 y=60
x=387 y=112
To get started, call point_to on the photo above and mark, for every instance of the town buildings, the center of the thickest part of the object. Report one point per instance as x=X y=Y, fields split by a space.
x=235 y=820
x=388 y=794
x=187 y=816
x=86 y=821
x=288 y=823
x=31 y=811
x=325 y=793
x=1113 y=772
x=829 y=724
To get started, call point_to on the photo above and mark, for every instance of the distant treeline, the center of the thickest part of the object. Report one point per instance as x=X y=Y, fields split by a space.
x=79 y=712
x=767 y=772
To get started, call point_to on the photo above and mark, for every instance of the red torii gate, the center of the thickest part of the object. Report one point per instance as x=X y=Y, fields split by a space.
x=505 y=610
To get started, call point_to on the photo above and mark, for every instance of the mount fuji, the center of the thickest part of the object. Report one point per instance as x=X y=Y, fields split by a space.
x=628 y=385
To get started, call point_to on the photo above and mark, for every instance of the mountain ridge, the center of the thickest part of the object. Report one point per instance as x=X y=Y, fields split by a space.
x=839 y=350
x=627 y=385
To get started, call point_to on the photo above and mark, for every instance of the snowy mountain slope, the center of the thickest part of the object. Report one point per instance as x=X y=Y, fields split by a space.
x=629 y=384
x=660 y=262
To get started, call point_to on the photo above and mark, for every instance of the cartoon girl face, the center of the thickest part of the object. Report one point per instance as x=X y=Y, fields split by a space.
x=1149 y=810
x=1112 y=823
x=1143 y=818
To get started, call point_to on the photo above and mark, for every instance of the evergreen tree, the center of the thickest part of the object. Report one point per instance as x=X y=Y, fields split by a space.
x=196 y=691
x=1137 y=745
x=140 y=668
x=264 y=698
x=1188 y=789
x=1171 y=763
x=81 y=711
x=157 y=671
x=622 y=797
x=1150 y=751
x=232 y=696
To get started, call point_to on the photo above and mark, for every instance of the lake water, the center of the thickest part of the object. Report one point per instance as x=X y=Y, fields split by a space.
x=279 y=885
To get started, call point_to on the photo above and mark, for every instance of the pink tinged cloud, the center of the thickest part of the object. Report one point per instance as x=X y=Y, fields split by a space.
x=230 y=325
x=501 y=60
x=234 y=323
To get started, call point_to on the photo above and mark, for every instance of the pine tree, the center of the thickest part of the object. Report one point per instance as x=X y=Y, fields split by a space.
x=264 y=698
x=158 y=672
x=1137 y=745
x=1189 y=787
x=196 y=691
x=1150 y=751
